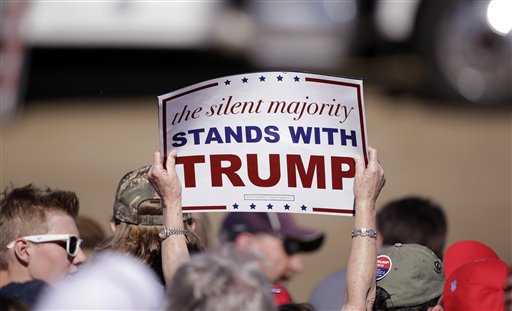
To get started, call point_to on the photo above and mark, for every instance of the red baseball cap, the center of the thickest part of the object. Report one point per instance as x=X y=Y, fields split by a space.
x=476 y=286
x=464 y=252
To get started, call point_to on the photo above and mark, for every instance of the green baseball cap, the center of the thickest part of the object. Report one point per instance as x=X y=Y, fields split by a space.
x=410 y=273
x=136 y=200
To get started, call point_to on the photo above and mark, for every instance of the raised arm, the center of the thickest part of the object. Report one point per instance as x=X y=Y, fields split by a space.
x=167 y=185
x=361 y=268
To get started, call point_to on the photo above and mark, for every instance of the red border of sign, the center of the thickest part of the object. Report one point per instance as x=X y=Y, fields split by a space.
x=307 y=79
x=208 y=207
x=333 y=210
x=164 y=111
x=359 y=104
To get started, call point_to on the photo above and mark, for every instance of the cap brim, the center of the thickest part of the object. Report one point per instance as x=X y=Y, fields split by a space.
x=308 y=240
x=313 y=244
x=283 y=224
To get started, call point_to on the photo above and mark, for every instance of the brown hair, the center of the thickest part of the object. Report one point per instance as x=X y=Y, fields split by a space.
x=413 y=220
x=141 y=241
x=24 y=211
x=144 y=243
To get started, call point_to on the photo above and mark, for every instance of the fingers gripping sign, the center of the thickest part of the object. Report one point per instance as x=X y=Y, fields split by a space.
x=165 y=180
x=370 y=180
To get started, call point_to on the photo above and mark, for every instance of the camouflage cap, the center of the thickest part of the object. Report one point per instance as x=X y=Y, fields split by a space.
x=137 y=202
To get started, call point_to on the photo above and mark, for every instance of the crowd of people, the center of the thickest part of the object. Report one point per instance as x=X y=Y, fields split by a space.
x=159 y=258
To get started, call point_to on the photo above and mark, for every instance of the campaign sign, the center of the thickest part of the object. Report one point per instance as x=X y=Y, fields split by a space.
x=266 y=142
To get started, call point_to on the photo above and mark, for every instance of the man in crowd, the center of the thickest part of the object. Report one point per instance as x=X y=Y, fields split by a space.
x=412 y=220
x=409 y=277
x=275 y=237
x=39 y=238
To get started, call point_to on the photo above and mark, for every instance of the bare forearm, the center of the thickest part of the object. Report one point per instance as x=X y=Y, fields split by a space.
x=174 y=248
x=360 y=275
x=166 y=183
x=361 y=268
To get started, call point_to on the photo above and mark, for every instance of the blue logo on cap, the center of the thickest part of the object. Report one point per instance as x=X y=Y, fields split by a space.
x=453 y=286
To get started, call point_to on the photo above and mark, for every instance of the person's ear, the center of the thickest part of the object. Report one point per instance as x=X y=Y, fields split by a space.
x=436 y=308
x=193 y=226
x=113 y=226
x=23 y=251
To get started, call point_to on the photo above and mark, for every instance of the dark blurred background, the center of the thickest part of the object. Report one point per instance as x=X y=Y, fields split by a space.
x=79 y=82
x=454 y=50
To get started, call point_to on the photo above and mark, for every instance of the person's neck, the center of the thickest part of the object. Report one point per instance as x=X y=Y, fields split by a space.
x=14 y=275
x=3 y=278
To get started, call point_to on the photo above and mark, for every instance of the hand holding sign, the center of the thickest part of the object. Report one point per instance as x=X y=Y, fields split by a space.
x=269 y=142
x=164 y=179
x=369 y=180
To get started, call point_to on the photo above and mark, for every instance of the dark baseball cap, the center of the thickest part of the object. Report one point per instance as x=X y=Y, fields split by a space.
x=136 y=200
x=299 y=239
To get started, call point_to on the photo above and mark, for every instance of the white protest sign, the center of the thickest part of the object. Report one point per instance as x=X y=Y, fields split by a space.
x=266 y=142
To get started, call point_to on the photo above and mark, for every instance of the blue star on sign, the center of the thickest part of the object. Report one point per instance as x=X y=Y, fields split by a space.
x=227 y=82
x=262 y=78
x=252 y=206
x=279 y=78
x=287 y=207
x=235 y=206
x=296 y=78
x=303 y=207
x=270 y=206
x=244 y=80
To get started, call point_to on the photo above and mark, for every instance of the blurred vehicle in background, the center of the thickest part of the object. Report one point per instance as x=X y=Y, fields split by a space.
x=121 y=24
x=465 y=46
x=31 y=28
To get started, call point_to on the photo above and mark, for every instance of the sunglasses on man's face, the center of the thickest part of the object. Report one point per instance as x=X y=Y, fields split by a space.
x=72 y=241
